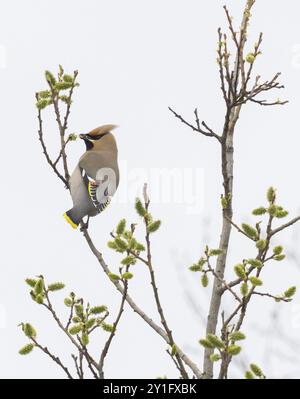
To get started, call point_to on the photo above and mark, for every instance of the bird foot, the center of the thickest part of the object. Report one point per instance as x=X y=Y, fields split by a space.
x=84 y=225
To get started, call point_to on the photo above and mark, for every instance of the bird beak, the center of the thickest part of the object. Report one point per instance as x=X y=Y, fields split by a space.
x=82 y=136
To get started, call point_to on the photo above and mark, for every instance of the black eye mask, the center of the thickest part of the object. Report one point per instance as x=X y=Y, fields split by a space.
x=89 y=144
x=98 y=137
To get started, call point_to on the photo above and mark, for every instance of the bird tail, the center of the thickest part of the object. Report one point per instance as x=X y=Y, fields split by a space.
x=71 y=218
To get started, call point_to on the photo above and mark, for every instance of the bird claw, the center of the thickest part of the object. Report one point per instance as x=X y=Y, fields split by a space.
x=84 y=225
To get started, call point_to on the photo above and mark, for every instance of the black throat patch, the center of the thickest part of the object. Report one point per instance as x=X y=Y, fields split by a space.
x=89 y=145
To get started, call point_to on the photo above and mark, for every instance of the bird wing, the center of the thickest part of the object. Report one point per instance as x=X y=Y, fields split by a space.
x=90 y=164
x=93 y=190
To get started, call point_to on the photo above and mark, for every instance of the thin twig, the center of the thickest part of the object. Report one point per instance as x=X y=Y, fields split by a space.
x=90 y=361
x=284 y=226
x=70 y=317
x=224 y=283
x=81 y=365
x=75 y=358
x=198 y=129
x=238 y=228
x=277 y=298
x=231 y=28
x=56 y=359
x=173 y=360
x=113 y=332
x=221 y=69
x=61 y=152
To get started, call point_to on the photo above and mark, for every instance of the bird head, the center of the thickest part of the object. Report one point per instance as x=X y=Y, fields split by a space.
x=95 y=135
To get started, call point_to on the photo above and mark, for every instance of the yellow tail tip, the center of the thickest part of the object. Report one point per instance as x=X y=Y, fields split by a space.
x=68 y=219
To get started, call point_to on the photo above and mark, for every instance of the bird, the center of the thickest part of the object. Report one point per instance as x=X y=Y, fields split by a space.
x=95 y=178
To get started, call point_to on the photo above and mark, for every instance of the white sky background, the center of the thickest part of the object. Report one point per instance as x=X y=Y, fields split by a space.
x=136 y=58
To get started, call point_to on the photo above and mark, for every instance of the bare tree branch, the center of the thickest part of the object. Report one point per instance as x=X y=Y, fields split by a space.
x=208 y=132
x=284 y=226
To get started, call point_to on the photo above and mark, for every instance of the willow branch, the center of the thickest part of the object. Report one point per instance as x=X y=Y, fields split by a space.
x=284 y=226
x=70 y=317
x=78 y=371
x=92 y=365
x=113 y=332
x=61 y=151
x=136 y=308
x=224 y=283
x=208 y=132
x=56 y=359
x=45 y=151
x=155 y=289
x=49 y=306
x=277 y=298
x=238 y=228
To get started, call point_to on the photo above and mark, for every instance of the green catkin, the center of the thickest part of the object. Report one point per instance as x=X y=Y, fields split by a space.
x=75 y=329
x=56 y=286
x=140 y=208
x=113 y=276
x=256 y=370
x=214 y=340
x=121 y=227
x=249 y=375
x=271 y=194
x=128 y=260
x=244 y=289
x=234 y=350
x=249 y=230
x=206 y=344
x=31 y=282
x=255 y=281
x=259 y=211
x=204 y=280
x=107 y=327
x=29 y=330
x=127 y=275
x=50 y=78
x=26 y=349
x=68 y=302
x=153 y=226
x=277 y=250
x=237 y=336
x=290 y=292
x=98 y=309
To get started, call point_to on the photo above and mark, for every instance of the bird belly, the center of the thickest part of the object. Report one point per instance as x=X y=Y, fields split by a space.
x=80 y=196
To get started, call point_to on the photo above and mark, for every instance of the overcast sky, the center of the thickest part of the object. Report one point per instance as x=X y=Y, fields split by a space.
x=135 y=58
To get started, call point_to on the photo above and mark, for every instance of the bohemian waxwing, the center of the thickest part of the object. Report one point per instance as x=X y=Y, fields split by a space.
x=96 y=176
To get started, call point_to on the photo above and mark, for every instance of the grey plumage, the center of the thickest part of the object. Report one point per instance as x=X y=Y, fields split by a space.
x=96 y=176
